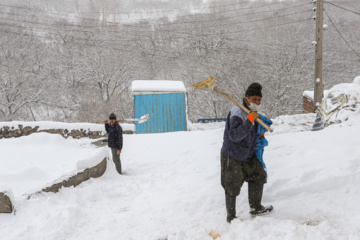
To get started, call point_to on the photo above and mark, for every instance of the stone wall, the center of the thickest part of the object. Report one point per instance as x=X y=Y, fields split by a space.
x=9 y=132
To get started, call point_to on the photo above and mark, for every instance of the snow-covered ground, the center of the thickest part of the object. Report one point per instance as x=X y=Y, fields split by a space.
x=32 y=162
x=171 y=190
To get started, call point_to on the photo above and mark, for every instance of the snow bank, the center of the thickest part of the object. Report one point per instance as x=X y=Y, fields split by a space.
x=46 y=125
x=205 y=126
x=341 y=104
x=32 y=161
x=293 y=123
x=157 y=86
x=93 y=160
x=281 y=124
x=357 y=80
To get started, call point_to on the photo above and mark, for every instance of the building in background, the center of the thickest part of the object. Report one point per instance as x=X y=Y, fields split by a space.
x=164 y=101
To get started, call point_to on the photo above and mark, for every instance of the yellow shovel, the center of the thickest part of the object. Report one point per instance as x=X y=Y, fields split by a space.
x=209 y=83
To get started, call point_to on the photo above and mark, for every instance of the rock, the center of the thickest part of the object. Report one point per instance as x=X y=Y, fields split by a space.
x=27 y=130
x=5 y=204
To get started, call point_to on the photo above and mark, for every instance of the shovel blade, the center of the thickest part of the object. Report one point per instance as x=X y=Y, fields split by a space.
x=208 y=83
x=144 y=119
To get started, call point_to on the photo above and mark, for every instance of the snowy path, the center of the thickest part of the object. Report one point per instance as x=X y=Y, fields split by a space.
x=171 y=190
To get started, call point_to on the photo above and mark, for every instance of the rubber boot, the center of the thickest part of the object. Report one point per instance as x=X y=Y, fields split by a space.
x=255 y=195
x=230 y=207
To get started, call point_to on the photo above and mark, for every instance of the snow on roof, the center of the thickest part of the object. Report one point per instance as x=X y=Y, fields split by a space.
x=157 y=86
x=310 y=94
x=344 y=87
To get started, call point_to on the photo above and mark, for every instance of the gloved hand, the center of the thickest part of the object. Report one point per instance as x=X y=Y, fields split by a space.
x=252 y=116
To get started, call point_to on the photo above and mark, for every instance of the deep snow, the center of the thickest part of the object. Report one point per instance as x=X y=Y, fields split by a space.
x=32 y=162
x=171 y=190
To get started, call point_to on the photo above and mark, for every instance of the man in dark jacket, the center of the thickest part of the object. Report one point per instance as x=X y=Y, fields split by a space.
x=238 y=161
x=115 y=140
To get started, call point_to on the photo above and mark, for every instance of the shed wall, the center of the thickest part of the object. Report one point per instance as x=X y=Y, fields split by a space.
x=167 y=112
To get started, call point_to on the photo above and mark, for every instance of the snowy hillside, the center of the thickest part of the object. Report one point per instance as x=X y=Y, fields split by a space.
x=171 y=190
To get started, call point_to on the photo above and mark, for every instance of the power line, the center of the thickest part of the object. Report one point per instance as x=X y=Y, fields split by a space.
x=157 y=11
x=337 y=30
x=94 y=40
x=121 y=40
x=342 y=8
x=74 y=41
x=174 y=23
x=206 y=35
x=175 y=32
x=166 y=30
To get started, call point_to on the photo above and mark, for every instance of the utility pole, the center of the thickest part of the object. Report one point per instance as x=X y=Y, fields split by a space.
x=319 y=82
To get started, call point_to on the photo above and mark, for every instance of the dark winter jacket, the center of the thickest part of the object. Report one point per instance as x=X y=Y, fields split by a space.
x=115 y=139
x=239 y=135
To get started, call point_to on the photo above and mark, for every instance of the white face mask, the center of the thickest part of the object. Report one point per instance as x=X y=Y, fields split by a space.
x=254 y=107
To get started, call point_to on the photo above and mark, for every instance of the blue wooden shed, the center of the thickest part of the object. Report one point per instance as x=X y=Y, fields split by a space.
x=164 y=101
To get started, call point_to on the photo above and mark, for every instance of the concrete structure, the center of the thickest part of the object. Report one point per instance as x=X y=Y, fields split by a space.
x=164 y=101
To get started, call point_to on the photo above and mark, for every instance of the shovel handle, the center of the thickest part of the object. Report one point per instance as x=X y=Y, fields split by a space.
x=241 y=106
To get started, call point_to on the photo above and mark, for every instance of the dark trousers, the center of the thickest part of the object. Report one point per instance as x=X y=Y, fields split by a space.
x=116 y=159
x=233 y=175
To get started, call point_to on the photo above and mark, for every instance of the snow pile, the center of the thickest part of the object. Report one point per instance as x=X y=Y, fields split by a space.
x=357 y=80
x=30 y=162
x=46 y=125
x=171 y=190
x=157 y=86
x=93 y=160
x=281 y=124
x=293 y=123
x=310 y=94
x=341 y=103
x=205 y=126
